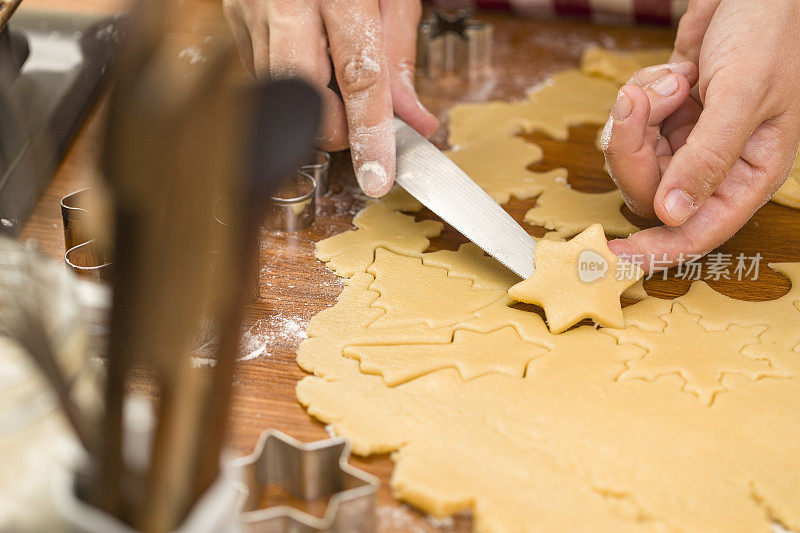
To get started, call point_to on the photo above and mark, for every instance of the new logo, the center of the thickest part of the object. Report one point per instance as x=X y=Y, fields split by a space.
x=591 y=266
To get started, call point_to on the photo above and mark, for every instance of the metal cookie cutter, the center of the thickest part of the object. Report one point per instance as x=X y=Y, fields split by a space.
x=293 y=206
x=453 y=43
x=83 y=256
x=222 y=233
x=308 y=472
x=318 y=166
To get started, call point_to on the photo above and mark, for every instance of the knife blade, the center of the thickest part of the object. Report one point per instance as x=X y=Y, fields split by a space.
x=432 y=178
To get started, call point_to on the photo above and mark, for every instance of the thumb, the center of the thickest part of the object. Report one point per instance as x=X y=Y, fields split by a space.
x=728 y=119
x=400 y=21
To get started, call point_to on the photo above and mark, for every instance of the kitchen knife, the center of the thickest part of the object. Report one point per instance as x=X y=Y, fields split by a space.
x=432 y=178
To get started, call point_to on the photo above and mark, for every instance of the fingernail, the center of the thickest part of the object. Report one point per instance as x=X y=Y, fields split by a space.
x=666 y=86
x=372 y=178
x=623 y=107
x=678 y=205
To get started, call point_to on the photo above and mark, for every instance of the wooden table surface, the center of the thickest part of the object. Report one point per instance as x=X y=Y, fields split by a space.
x=295 y=286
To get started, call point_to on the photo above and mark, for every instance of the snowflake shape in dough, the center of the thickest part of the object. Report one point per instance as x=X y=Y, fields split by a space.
x=701 y=357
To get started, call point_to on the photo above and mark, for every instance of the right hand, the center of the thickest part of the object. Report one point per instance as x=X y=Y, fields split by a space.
x=705 y=141
x=372 y=47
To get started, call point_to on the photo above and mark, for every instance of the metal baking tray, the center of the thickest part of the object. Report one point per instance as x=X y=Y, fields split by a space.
x=64 y=58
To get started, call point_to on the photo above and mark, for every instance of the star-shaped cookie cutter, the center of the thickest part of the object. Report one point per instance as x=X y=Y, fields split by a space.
x=311 y=472
x=453 y=43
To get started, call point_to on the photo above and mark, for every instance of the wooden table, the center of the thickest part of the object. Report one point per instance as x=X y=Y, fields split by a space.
x=295 y=286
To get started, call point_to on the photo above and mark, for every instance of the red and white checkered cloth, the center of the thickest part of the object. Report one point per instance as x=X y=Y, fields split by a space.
x=601 y=11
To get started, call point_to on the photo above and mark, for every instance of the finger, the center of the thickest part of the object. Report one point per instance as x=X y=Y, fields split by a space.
x=713 y=224
x=299 y=48
x=258 y=29
x=691 y=30
x=648 y=75
x=357 y=48
x=400 y=21
x=677 y=127
x=241 y=35
x=630 y=162
x=633 y=145
x=727 y=121
x=666 y=96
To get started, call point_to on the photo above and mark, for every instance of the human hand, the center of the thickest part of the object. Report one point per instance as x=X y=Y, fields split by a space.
x=706 y=140
x=372 y=47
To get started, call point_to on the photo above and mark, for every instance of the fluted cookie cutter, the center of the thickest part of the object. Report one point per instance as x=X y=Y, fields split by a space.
x=293 y=207
x=454 y=43
x=307 y=472
x=83 y=254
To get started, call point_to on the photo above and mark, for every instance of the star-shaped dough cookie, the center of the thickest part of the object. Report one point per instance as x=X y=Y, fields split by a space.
x=578 y=279
x=701 y=357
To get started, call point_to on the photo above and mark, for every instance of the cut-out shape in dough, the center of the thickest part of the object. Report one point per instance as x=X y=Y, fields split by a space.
x=358 y=299
x=413 y=293
x=470 y=262
x=635 y=291
x=377 y=225
x=569 y=212
x=701 y=357
x=499 y=166
x=779 y=342
x=619 y=66
x=569 y=98
x=472 y=354
x=578 y=279
x=399 y=200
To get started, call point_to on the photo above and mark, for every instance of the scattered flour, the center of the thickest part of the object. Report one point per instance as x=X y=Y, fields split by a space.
x=394 y=519
x=106 y=33
x=200 y=362
x=607 y=41
x=376 y=139
x=539 y=86
x=608 y=130
x=268 y=332
x=194 y=54
x=442 y=523
x=375 y=184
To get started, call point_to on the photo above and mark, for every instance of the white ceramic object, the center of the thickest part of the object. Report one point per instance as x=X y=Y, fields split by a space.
x=32 y=433
x=213 y=513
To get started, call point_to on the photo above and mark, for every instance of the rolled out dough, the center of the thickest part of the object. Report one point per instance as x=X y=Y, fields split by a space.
x=489 y=150
x=620 y=66
x=682 y=418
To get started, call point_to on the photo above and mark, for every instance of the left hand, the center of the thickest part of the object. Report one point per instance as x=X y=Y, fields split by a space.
x=372 y=47
x=706 y=140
